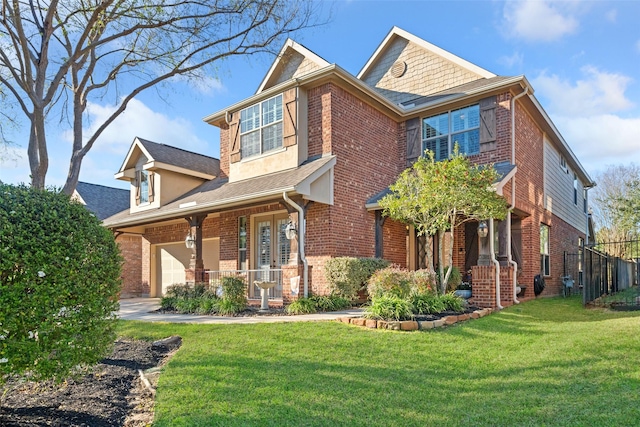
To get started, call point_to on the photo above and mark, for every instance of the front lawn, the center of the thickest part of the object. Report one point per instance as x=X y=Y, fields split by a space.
x=545 y=362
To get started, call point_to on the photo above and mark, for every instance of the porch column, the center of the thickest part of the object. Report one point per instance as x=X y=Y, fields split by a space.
x=484 y=251
x=196 y=272
x=501 y=253
x=294 y=256
x=380 y=219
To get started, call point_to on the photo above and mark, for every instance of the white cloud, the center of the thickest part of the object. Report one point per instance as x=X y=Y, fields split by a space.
x=512 y=61
x=611 y=15
x=141 y=121
x=538 y=20
x=599 y=92
x=601 y=140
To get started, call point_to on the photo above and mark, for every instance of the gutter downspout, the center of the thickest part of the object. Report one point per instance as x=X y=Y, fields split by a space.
x=513 y=192
x=495 y=263
x=301 y=236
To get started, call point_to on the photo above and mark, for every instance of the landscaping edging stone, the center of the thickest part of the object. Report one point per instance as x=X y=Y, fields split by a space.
x=414 y=325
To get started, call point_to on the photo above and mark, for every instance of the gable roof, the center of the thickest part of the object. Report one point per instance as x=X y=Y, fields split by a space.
x=103 y=201
x=405 y=66
x=162 y=156
x=219 y=193
x=292 y=61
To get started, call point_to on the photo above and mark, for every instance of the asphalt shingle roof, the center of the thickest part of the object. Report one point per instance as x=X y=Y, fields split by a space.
x=219 y=192
x=103 y=201
x=182 y=158
x=463 y=89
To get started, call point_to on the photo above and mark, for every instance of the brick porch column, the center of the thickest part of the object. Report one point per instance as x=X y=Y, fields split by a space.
x=484 y=286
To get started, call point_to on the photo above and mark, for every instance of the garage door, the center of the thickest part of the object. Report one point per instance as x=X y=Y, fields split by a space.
x=172 y=260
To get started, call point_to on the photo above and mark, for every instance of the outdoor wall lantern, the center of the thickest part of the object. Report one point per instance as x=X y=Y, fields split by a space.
x=189 y=241
x=483 y=229
x=290 y=231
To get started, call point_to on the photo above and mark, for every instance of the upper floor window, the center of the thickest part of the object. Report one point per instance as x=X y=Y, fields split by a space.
x=563 y=164
x=441 y=133
x=144 y=184
x=261 y=127
x=584 y=200
x=575 y=189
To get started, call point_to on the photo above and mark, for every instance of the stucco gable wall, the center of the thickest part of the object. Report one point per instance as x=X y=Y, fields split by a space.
x=426 y=72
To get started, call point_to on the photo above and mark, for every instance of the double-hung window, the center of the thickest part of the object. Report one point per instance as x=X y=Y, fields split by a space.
x=545 y=267
x=261 y=127
x=441 y=133
x=144 y=186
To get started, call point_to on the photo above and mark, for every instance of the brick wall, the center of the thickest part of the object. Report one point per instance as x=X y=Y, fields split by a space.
x=133 y=284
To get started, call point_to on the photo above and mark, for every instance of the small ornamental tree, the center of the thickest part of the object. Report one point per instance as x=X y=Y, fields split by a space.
x=59 y=284
x=436 y=197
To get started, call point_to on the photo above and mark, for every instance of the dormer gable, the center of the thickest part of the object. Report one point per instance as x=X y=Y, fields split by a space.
x=294 y=60
x=404 y=67
x=160 y=173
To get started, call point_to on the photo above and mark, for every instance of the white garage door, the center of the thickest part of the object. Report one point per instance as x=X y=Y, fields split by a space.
x=172 y=260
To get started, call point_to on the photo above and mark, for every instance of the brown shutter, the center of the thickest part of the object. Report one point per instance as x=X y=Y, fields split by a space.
x=234 y=137
x=290 y=116
x=487 y=124
x=151 y=182
x=414 y=142
x=137 y=185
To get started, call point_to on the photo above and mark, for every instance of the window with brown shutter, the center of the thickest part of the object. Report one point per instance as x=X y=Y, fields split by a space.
x=151 y=186
x=414 y=142
x=487 y=124
x=290 y=126
x=137 y=185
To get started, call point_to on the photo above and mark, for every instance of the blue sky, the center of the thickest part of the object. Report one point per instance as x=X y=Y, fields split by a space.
x=582 y=58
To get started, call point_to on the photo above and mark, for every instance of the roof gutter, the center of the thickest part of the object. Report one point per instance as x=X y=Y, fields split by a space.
x=198 y=208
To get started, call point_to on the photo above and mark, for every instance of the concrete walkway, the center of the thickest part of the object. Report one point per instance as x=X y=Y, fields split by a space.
x=143 y=309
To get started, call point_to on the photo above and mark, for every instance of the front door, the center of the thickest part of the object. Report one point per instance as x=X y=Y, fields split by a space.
x=272 y=251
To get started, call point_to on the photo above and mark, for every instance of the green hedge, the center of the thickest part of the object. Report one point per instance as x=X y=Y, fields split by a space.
x=347 y=275
x=59 y=284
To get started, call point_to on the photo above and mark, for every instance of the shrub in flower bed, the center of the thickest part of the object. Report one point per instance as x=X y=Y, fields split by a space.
x=316 y=303
x=399 y=294
x=347 y=275
x=59 y=283
x=199 y=298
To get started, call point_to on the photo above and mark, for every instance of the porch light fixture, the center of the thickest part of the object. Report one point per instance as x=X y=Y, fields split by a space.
x=290 y=231
x=189 y=241
x=483 y=229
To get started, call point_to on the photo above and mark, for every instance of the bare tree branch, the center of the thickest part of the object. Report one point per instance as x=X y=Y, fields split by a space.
x=96 y=48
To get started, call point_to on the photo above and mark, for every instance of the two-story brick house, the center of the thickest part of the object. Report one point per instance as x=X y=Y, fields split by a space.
x=304 y=161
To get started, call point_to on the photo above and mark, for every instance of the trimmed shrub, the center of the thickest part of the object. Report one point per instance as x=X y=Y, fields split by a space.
x=389 y=308
x=168 y=303
x=347 y=275
x=423 y=281
x=390 y=281
x=330 y=302
x=59 y=283
x=234 y=295
x=452 y=302
x=302 y=306
x=427 y=303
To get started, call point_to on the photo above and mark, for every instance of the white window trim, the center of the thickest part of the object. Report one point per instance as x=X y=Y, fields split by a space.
x=260 y=128
x=147 y=174
x=450 y=132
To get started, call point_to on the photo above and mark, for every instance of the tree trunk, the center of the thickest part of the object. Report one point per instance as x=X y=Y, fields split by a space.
x=37 y=150
x=443 y=282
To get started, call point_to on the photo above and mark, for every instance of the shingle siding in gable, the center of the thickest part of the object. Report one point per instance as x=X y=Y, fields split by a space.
x=426 y=73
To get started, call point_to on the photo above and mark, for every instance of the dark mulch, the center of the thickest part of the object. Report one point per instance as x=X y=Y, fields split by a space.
x=106 y=396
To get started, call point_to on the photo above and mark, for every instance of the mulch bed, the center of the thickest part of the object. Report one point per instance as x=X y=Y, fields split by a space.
x=111 y=394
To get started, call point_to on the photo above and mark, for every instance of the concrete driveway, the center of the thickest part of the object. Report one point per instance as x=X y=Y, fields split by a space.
x=143 y=309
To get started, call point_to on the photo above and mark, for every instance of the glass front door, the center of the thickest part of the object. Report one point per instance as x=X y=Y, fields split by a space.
x=272 y=250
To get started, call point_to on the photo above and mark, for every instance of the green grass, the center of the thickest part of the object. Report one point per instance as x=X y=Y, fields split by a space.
x=545 y=362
